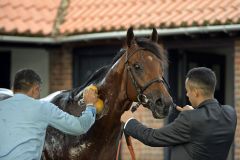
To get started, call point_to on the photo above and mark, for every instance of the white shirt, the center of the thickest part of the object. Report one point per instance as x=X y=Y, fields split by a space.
x=23 y=123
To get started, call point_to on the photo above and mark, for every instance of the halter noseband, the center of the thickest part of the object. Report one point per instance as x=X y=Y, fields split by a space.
x=141 y=97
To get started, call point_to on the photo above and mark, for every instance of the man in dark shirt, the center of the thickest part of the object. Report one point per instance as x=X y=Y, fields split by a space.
x=203 y=131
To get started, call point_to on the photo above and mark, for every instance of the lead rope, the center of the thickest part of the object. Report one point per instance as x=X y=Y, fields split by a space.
x=129 y=144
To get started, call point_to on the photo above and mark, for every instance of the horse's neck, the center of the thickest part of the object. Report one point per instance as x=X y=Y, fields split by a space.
x=113 y=91
x=107 y=130
x=113 y=88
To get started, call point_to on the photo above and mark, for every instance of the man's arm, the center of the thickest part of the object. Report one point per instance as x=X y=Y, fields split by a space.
x=175 y=110
x=71 y=124
x=175 y=133
x=68 y=123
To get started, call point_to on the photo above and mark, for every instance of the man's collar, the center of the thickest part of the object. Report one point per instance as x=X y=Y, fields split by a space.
x=19 y=94
x=208 y=101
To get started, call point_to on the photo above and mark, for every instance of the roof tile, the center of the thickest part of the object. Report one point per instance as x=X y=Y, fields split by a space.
x=39 y=16
x=28 y=16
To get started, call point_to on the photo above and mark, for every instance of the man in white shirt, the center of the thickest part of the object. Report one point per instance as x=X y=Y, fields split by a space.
x=23 y=119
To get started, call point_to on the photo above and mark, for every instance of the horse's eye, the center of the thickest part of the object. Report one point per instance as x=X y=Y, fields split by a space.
x=137 y=66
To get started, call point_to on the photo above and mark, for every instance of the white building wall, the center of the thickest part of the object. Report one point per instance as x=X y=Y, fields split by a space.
x=33 y=58
x=36 y=59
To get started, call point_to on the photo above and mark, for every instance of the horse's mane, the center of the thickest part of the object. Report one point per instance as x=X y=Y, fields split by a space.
x=100 y=73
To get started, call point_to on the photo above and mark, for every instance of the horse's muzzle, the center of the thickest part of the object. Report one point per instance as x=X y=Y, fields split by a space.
x=160 y=108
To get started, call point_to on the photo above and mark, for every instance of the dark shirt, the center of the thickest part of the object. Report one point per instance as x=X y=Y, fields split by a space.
x=205 y=133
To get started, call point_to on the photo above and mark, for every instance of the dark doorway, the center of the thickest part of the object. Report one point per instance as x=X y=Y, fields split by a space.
x=216 y=63
x=88 y=60
x=182 y=60
x=5 y=63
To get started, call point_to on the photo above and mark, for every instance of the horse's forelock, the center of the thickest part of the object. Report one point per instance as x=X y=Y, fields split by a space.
x=154 y=48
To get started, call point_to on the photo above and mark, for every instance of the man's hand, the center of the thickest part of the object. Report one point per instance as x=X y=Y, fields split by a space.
x=90 y=96
x=187 y=107
x=126 y=116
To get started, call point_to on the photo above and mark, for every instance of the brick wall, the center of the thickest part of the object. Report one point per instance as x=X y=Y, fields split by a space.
x=60 y=69
x=237 y=97
x=142 y=151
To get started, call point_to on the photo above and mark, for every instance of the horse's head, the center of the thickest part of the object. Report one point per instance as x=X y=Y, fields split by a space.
x=135 y=75
x=145 y=63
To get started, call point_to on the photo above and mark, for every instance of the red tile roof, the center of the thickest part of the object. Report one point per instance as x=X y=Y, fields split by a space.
x=38 y=17
x=106 y=15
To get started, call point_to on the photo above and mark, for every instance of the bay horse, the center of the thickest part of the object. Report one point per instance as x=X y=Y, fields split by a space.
x=135 y=75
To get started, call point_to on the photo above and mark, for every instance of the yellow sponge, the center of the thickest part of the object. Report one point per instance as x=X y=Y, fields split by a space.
x=93 y=87
x=99 y=104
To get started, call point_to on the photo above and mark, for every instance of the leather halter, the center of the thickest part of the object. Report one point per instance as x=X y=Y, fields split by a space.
x=141 y=97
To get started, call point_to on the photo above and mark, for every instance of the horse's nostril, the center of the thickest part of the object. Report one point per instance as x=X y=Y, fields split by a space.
x=166 y=110
x=159 y=102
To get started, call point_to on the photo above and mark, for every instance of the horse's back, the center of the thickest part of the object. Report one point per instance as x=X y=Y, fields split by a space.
x=50 y=97
x=5 y=93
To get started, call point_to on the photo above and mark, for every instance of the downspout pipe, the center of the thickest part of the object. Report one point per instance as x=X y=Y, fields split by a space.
x=121 y=34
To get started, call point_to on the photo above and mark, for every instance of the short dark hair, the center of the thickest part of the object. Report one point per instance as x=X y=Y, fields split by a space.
x=25 y=79
x=203 y=78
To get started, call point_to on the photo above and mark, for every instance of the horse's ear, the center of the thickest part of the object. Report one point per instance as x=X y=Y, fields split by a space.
x=130 y=37
x=154 y=36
